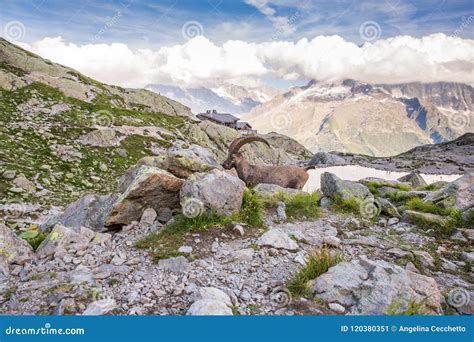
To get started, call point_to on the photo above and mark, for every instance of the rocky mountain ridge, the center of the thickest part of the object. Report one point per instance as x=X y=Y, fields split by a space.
x=389 y=119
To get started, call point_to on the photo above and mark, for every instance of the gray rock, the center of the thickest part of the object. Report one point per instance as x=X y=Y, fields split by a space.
x=100 y=307
x=383 y=182
x=369 y=287
x=425 y=258
x=9 y=174
x=89 y=211
x=268 y=191
x=148 y=217
x=177 y=265
x=414 y=179
x=458 y=194
x=101 y=137
x=334 y=187
x=185 y=249
x=151 y=188
x=63 y=239
x=332 y=241
x=412 y=216
x=81 y=274
x=281 y=211
x=212 y=192
x=277 y=238
x=209 y=307
x=387 y=208
x=326 y=158
x=13 y=250
x=325 y=202
x=59 y=108
x=336 y=307
x=212 y=293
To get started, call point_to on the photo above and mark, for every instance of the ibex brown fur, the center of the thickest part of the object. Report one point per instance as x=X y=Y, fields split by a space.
x=284 y=176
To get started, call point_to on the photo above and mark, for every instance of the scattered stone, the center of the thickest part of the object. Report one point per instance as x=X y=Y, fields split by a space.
x=239 y=229
x=9 y=174
x=412 y=216
x=81 y=274
x=148 y=217
x=325 y=202
x=100 y=307
x=268 y=191
x=63 y=239
x=13 y=250
x=276 y=238
x=103 y=137
x=338 y=308
x=281 y=211
x=334 y=187
x=332 y=241
x=177 y=265
x=392 y=221
x=326 y=158
x=185 y=249
x=425 y=258
x=209 y=307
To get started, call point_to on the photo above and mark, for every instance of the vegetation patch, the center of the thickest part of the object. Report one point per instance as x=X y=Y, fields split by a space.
x=165 y=243
x=413 y=308
x=299 y=206
x=33 y=236
x=317 y=263
x=347 y=206
x=418 y=205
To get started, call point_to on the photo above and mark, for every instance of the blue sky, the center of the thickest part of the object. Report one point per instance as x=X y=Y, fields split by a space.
x=140 y=23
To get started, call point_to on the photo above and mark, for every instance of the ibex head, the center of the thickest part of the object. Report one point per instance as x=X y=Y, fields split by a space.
x=235 y=157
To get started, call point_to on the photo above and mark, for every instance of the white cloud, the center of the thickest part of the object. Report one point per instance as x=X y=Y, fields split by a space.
x=199 y=61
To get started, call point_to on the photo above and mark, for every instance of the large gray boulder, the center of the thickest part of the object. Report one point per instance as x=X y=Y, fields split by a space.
x=151 y=188
x=89 y=211
x=458 y=194
x=369 y=287
x=326 y=158
x=334 y=187
x=213 y=192
x=13 y=250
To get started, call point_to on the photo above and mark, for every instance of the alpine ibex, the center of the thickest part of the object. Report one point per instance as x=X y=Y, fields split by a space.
x=284 y=176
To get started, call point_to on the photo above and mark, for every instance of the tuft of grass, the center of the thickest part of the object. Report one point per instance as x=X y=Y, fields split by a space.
x=165 y=243
x=33 y=236
x=349 y=206
x=302 y=205
x=317 y=263
x=414 y=308
x=374 y=185
x=417 y=204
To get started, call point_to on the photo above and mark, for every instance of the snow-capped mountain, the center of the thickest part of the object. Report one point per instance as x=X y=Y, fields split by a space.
x=223 y=97
x=380 y=120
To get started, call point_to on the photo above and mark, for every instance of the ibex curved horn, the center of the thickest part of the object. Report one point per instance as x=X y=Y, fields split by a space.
x=237 y=144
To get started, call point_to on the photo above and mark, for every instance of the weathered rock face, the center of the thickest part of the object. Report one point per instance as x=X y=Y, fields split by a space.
x=214 y=192
x=332 y=187
x=100 y=137
x=63 y=239
x=458 y=194
x=13 y=250
x=414 y=179
x=369 y=287
x=209 y=307
x=326 y=158
x=267 y=191
x=181 y=162
x=151 y=188
x=89 y=211
x=386 y=207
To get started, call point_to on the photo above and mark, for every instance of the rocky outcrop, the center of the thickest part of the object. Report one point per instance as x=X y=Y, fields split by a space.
x=277 y=238
x=102 y=137
x=213 y=192
x=13 y=251
x=151 y=188
x=334 y=187
x=369 y=287
x=414 y=217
